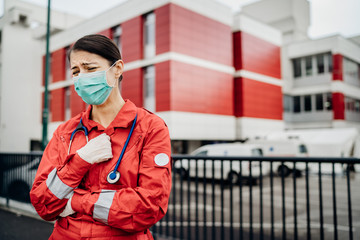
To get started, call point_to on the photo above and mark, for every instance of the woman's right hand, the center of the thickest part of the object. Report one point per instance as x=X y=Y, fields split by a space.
x=96 y=150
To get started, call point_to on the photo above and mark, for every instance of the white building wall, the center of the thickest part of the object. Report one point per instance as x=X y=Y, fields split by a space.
x=21 y=73
x=20 y=107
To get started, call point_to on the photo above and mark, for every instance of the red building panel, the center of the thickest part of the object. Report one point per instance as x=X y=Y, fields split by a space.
x=257 y=99
x=337 y=72
x=132 y=86
x=162 y=86
x=184 y=31
x=162 y=29
x=77 y=105
x=107 y=33
x=132 y=39
x=57 y=107
x=338 y=106
x=200 y=90
x=58 y=61
x=256 y=55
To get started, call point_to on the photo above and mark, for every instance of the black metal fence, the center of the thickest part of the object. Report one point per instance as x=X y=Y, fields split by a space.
x=263 y=198
x=240 y=197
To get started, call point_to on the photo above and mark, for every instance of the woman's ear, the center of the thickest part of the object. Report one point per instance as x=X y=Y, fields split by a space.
x=119 y=68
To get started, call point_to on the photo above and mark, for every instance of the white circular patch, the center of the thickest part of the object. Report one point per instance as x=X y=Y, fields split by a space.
x=161 y=159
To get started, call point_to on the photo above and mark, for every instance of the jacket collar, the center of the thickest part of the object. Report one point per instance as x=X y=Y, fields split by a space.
x=123 y=119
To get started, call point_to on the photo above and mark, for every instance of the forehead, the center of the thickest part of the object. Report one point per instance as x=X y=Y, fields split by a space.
x=80 y=57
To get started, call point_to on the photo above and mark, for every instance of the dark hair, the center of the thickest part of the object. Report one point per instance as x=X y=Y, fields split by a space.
x=100 y=45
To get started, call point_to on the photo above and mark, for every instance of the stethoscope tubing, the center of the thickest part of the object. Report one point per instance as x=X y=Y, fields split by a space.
x=113 y=175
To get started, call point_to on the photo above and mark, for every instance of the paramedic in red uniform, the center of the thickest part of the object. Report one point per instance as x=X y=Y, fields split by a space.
x=72 y=184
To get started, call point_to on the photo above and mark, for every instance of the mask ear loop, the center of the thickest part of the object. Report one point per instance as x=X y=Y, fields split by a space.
x=108 y=70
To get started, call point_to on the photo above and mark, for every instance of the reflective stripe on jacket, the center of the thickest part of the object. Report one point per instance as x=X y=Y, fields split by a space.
x=127 y=208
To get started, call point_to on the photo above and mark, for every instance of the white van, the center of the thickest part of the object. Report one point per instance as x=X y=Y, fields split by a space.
x=231 y=171
x=283 y=148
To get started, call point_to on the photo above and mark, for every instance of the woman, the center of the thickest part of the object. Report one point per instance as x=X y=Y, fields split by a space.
x=80 y=183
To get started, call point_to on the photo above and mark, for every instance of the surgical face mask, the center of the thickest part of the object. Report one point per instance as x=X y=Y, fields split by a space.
x=93 y=87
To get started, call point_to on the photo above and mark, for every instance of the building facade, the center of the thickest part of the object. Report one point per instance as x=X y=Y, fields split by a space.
x=211 y=74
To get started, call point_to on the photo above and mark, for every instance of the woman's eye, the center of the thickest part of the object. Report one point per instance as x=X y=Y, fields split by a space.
x=92 y=68
x=75 y=73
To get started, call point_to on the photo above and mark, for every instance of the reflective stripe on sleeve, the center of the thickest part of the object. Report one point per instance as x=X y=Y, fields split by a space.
x=102 y=206
x=56 y=186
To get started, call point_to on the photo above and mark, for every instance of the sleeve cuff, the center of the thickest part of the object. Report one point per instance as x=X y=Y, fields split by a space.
x=84 y=203
x=74 y=170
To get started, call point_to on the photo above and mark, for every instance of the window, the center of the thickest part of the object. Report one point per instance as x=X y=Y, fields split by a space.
x=297 y=67
x=308 y=66
x=287 y=103
x=320 y=63
x=297 y=108
x=67 y=103
x=68 y=73
x=117 y=31
x=202 y=153
x=328 y=102
x=330 y=61
x=149 y=35
x=307 y=103
x=319 y=101
x=149 y=88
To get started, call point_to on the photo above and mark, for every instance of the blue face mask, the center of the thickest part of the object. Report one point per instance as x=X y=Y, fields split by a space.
x=93 y=87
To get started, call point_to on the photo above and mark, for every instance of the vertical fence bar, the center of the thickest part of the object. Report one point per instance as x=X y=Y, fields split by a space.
x=295 y=204
x=189 y=203
x=272 y=200
x=213 y=230
x=231 y=203
x=349 y=201
x=321 y=206
x=197 y=200
x=222 y=201
x=334 y=202
x=174 y=208
x=241 y=203
x=204 y=201
x=182 y=178
x=283 y=200
x=307 y=201
x=251 y=233
x=261 y=202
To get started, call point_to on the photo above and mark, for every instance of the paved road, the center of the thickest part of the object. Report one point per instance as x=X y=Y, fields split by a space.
x=15 y=227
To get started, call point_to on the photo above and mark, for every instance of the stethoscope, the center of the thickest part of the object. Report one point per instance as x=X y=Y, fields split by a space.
x=113 y=175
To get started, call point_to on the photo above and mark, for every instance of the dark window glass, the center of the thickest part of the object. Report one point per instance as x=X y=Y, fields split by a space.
x=330 y=62
x=287 y=103
x=319 y=102
x=297 y=104
x=297 y=67
x=328 y=102
x=320 y=63
x=307 y=103
x=308 y=66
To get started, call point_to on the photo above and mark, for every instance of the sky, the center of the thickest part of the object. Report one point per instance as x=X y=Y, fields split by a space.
x=327 y=17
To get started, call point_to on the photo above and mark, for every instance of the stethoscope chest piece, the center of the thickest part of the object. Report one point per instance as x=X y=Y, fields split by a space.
x=113 y=177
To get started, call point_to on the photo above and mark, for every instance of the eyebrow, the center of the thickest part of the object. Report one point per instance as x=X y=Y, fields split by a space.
x=84 y=64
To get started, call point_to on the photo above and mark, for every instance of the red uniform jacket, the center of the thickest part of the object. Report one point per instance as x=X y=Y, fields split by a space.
x=124 y=210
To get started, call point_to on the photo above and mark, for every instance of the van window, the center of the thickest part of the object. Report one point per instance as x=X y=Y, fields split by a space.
x=256 y=152
x=202 y=153
x=302 y=148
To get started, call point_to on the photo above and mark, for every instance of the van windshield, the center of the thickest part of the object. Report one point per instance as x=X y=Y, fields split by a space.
x=302 y=148
x=256 y=152
x=202 y=153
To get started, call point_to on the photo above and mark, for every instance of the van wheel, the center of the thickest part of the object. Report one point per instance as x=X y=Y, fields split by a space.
x=283 y=171
x=183 y=173
x=233 y=177
x=19 y=191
